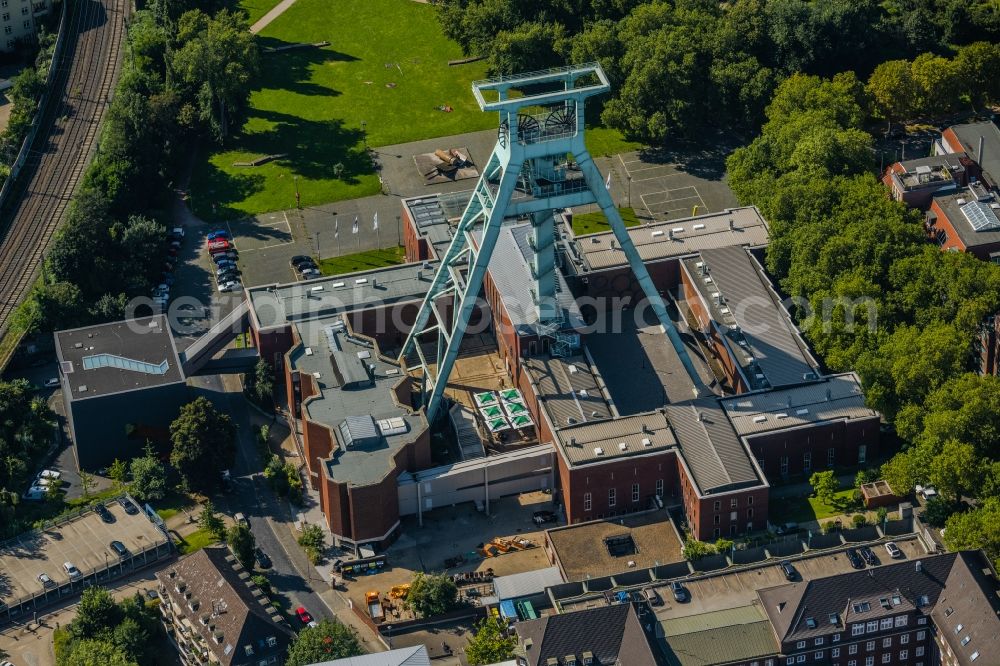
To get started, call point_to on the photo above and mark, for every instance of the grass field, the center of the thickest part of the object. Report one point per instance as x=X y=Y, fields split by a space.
x=806 y=508
x=195 y=541
x=592 y=223
x=387 y=67
x=363 y=261
x=257 y=8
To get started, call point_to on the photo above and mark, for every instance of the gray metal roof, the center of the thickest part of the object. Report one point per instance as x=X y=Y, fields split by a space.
x=415 y=655
x=724 y=636
x=567 y=390
x=775 y=344
x=653 y=241
x=359 y=429
x=951 y=205
x=710 y=446
x=277 y=305
x=969 y=133
x=526 y=583
x=837 y=397
x=511 y=275
x=598 y=441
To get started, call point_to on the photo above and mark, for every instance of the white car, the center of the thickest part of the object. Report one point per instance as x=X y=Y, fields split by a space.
x=49 y=474
x=45 y=483
x=893 y=550
x=52 y=382
x=71 y=570
x=232 y=285
x=177 y=231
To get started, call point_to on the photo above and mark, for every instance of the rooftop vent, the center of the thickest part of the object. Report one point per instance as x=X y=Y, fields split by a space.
x=698 y=227
x=622 y=446
x=657 y=234
x=811 y=622
x=647 y=442
x=919 y=566
x=598 y=451
x=337 y=285
x=802 y=412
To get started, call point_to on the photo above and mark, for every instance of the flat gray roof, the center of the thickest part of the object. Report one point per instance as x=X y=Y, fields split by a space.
x=734 y=227
x=837 y=397
x=599 y=441
x=932 y=171
x=568 y=389
x=725 y=636
x=952 y=205
x=369 y=463
x=710 y=446
x=526 y=583
x=751 y=318
x=969 y=133
x=276 y=305
x=511 y=275
x=116 y=357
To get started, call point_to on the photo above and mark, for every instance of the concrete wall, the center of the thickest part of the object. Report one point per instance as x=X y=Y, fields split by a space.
x=749 y=555
x=117 y=426
x=454 y=484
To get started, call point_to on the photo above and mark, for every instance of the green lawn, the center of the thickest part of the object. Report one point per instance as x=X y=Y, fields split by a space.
x=195 y=541
x=172 y=504
x=603 y=141
x=806 y=508
x=387 y=66
x=363 y=261
x=257 y=8
x=592 y=223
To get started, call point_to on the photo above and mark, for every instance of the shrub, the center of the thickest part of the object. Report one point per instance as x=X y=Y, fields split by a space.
x=695 y=550
x=859 y=520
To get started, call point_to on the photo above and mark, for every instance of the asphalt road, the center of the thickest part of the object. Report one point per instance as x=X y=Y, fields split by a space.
x=269 y=518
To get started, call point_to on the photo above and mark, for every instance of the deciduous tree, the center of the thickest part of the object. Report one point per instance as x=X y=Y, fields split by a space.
x=204 y=444
x=327 y=641
x=490 y=644
x=432 y=594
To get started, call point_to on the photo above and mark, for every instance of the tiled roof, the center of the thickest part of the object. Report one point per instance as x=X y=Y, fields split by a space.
x=837 y=397
x=714 y=454
x=236 y=610
x=612 y=634
x=763 y=322
x=969 y=601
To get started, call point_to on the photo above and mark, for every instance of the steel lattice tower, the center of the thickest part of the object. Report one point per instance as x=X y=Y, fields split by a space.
x=527 y=175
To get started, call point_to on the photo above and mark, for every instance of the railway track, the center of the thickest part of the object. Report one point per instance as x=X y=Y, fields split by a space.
x=67 y=138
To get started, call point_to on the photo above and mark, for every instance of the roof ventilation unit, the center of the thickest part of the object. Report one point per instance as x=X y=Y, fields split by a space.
x=622 y=446
x=647 y=442
x=598 y=451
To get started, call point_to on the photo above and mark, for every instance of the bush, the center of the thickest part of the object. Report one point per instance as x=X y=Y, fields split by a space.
x=313 y=542
x=261 y=581
x=859 y=520
x=431 y=595
x=883 y=515
x=865 y=476
x=695 y=550
x=937 y=511
x=723 y=546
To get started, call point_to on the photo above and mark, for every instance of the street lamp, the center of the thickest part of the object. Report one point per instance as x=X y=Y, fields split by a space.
x=364 y=133
x=298 y=200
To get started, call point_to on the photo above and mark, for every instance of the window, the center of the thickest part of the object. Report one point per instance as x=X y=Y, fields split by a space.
x=790 y=660
x=921 y=620
x=801 y=645
x=870 y=646
x=872 y=626
x=784 y=465
x=887 y=642
x=869 y=661
x=659 y=487
x=24 y=11
x=248 y=649
x=835 y=652
x=807 y=461
x=818 y=641
x=918 y=652
x=635 y=492
x=3 y=4
x=831 y=456
x=716 y=533
x=587 y=502
x=718 y=505
x=852 y=662
x=750 y=513
x=769 y=662
x=716 y=519
x=959 y=628
x=904 y=639
x=904 y=654
x=612 y=497
x=272 y=641
x=857 y=629
x=733 y=502
x=836 y=637
x=886 y=657
x=921 y=635
x=886 y=623
x=901 y=620
x=852 y=648
x=974 y=656
x=801 y=659
x=27 y=25
x=862 y=453
x=6 y=16
x=750 y=498
x=818 y=656
x=7 y=29
x=733 y=515
x=965 y=641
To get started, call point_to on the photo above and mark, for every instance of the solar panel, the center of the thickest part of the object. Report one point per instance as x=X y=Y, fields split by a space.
x=980 y=216
x=111 y=361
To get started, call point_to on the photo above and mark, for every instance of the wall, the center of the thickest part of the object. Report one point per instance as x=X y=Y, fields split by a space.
x=598 y=479
x=273 y=344
x=620 y=282
x=100 y=424
x=844 y=437
x=417 y=248
x=750 y=508
x=954 y=242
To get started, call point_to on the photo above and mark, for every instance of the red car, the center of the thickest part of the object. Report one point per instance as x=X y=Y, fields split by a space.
x=218 y=246
x=304 y=615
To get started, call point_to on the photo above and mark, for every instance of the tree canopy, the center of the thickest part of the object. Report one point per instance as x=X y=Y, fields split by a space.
x=432 y=594
x=204 y=445
x=328 y=641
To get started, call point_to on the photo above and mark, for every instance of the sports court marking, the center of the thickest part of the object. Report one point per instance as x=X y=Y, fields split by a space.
x=679 y=199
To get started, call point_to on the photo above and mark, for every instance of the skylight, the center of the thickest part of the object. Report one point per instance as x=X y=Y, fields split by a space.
x=980 y=216
x=111 y=361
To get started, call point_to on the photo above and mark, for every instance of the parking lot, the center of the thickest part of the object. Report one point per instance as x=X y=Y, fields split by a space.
x=83 y=541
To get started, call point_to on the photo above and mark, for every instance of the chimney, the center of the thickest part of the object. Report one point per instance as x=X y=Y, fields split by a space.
x=829 y=395
x=982 y=146
x=670 y=234
x=732 y=224
x=918 y=565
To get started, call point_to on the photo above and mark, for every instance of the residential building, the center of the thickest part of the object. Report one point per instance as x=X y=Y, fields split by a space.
x=20 y=20
x=915 y=182
x=214 y=613
x=967 y=221
x=599 y=636
x=980 y=141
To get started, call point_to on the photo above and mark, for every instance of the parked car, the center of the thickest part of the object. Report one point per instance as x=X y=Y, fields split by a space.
x=305 y=617
x=35 y=493
x=71 y=570
x=787 y=528
x=855 y=559
x=219 y=245
x=542 y=517
x=218 y=233
x=241 y=520
x=129 y=506
x=50 y=473
x=120 y=549
x=223 y=256
x=788 y=570
x=300 y=259
x=44 y=579
x=177 y=232
x=869 y=556
x=263 y=561
x=52 y=382
x=103 y=512
x=226 y=269
x=893 y=550
x=45 y=483
x=232 y=285
x=650 y=595
x=679 y=591
x=926 y=492
x=310 y=273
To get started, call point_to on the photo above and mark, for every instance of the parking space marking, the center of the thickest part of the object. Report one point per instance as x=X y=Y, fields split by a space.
x=276 y=225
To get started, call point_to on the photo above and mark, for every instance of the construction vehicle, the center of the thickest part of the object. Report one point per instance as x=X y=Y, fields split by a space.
x=374 y=606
